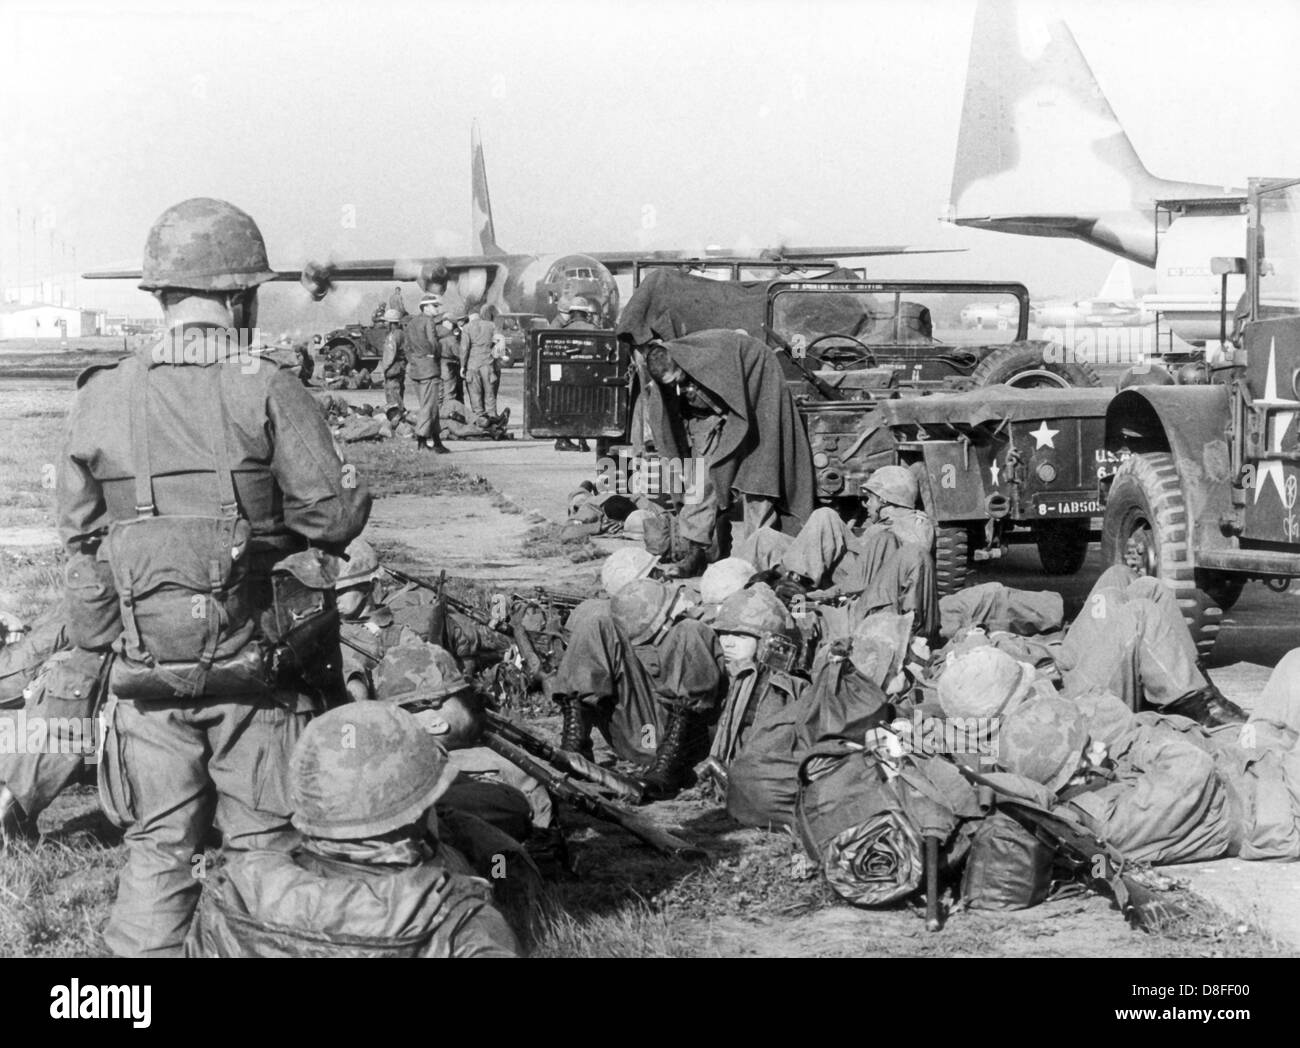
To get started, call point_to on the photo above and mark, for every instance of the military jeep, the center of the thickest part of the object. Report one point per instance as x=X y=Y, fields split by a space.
x=1205 y=498
x=354 y=347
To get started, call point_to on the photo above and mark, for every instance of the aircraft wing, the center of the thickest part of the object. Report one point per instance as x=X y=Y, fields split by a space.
x=623 y=261
x=318 y=278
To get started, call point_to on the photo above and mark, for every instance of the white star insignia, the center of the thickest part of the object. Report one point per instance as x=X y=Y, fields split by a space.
x=1278 y=422
x=994 y=470
x=1044 y=437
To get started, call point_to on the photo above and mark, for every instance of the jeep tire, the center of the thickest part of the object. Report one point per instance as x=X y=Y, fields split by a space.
x=1026 y=365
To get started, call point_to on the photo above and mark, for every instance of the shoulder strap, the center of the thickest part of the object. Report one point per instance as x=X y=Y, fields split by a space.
x=219 y=439
x=140 y=465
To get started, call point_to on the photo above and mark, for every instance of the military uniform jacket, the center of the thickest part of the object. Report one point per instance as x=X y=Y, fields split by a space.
x=476 y=343
x=299 y=904
x=290 y=481
x=423 y=350
x=393 y=359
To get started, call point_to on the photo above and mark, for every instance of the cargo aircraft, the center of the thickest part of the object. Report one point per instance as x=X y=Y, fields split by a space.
x=528 y=284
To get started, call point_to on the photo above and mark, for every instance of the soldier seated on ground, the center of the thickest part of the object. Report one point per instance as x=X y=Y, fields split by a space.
x=423 y=679
x=647 y=674
x=371 y=877
x=889 y=566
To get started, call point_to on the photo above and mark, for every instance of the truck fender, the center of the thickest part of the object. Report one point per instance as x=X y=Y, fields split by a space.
x=1190 y=423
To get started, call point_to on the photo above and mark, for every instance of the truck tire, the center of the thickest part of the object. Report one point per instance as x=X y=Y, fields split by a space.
x=343 y=355
x=1062 y=545
x=951 y=559
x=1146 y=500
x=1023 y=364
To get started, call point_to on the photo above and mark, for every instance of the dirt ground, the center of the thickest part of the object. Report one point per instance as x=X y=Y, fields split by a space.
x=477 y=514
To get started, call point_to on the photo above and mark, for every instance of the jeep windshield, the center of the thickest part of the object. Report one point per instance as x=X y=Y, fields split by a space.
x=843 y=323
x=1278 y=246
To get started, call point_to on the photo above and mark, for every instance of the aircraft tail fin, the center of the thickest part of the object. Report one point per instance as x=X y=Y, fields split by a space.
x=1037 y=134
x=483 y=234
x=1119 y=284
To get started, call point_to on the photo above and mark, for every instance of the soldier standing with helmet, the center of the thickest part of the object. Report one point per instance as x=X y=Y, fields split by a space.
x=423 y=367
x=200 y=501
x=392 y=363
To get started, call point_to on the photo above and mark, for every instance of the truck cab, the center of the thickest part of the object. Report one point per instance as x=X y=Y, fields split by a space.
x=1205 y=494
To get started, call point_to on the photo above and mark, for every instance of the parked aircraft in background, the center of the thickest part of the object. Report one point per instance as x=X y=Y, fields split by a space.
x=1040 y=152
x=524 y=283
x=1114 y=306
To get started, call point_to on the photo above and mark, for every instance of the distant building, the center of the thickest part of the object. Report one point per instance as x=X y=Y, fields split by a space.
x=41 y=320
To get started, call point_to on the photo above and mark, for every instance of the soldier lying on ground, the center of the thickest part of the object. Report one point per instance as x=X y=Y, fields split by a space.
x=1161 y=787
x=371 y=877
x=374 y=616
x=1129 y=638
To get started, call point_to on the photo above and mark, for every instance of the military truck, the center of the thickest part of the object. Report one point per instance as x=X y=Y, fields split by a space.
x=1205 y=497
x=354 y=347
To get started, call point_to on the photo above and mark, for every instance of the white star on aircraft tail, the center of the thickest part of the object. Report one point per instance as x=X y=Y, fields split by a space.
x=1278 y=422
x=1044 y=437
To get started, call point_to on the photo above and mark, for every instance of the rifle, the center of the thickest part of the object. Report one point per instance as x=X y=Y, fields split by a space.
x=468 y=610
x=623 y=787
x=1084 y=852
x=582 y=798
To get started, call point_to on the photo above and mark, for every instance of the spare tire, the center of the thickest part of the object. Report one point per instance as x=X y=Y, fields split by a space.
x=1028 y=365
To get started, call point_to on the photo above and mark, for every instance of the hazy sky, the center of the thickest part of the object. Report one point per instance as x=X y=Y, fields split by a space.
x=659 y=124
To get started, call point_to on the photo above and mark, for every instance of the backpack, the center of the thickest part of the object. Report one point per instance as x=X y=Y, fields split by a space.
x=195 y=621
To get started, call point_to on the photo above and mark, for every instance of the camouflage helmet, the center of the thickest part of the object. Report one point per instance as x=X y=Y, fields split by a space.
x=983 y=682
x=415 y=671
x=755 y=611
x=895 y=485
x=392 y=316
x=641 y=608
x=724 y=577
x=880 y=643
x=204 y=244
x=364 y=769
x=624 y=566
x=1042 y=739
x=362 y=565
x=581 y=304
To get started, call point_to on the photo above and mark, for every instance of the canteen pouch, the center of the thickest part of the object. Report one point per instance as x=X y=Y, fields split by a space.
x=94 y=616
x=189 y=627
x=1008 y=867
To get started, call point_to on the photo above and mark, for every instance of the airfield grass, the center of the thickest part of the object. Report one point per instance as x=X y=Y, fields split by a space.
x=754 y=896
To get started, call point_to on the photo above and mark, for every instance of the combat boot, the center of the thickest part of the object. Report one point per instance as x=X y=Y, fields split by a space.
x=690 y=564
x=1207 y=706
x=436 y=446
x=575 y=733
x=671 y=770
x=13 y=820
